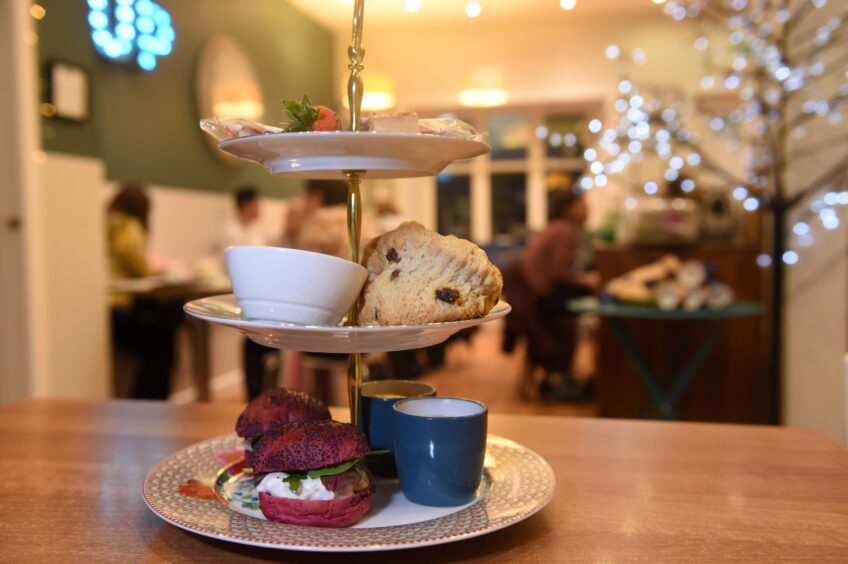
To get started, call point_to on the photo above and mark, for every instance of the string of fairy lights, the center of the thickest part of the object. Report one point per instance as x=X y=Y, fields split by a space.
x=787 y=70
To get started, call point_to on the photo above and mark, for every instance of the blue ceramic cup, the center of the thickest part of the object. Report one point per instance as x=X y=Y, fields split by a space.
x=376 y=418
x=440 y=444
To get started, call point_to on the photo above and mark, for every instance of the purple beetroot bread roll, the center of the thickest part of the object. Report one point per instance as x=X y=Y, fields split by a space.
x=277 y=406
x=312 y=473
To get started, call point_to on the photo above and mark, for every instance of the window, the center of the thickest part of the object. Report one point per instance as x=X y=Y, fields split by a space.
x=509 y=207
x=565 y=135
x=534 y=150
x=510 y=135
x=454 y=205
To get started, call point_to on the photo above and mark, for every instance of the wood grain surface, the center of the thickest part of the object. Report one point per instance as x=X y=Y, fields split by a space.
x=71 y=475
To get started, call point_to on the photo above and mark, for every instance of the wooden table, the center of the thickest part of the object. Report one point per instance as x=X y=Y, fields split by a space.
x=664 y=400
x=70 y=490
x=734 y=385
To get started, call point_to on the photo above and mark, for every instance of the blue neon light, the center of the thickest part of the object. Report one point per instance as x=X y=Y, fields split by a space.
x=126 y=30
x=146 y=60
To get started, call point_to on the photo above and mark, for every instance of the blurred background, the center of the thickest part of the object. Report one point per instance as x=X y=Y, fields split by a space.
x=702 y=141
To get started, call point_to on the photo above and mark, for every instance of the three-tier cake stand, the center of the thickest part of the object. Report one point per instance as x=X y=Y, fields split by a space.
x=350 y=155
x=516 y=482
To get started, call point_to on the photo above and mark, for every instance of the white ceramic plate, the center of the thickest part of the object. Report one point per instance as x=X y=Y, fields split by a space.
x=224 y=310
x=323 y=154
x=201 y=489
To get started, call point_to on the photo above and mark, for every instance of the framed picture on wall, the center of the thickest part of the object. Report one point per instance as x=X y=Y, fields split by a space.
x=68 y=92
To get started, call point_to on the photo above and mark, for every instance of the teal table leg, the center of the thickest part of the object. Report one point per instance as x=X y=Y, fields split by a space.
x=685 y=378
x=666 y=402
x=648 y=379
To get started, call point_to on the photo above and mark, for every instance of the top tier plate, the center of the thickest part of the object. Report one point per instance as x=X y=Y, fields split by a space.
x=324 y=154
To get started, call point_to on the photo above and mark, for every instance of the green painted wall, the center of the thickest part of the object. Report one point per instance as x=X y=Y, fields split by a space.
x=145 y=125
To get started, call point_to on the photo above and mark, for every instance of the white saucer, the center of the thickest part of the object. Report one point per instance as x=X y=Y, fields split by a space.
x=323 y=154
x=224 y=310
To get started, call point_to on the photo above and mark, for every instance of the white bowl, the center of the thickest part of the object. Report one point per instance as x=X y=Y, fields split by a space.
x=276 y=284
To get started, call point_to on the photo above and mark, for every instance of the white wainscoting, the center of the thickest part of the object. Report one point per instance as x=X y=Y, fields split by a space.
x=70 y=307
x=71 y=268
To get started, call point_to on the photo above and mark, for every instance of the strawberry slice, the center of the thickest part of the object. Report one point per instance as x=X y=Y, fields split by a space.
x=327 y=120
x=304 y=116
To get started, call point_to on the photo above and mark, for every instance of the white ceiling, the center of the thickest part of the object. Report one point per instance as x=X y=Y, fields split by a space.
x=338 y=13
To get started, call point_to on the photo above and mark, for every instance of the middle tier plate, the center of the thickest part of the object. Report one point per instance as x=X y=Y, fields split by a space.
x=224 y=310
x=324 y=154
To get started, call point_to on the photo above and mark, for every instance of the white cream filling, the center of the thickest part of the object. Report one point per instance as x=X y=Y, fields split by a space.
x=310 y=488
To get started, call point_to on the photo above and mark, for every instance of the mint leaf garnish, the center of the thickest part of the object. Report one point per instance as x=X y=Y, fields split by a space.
x=301 y=115
x=334 y=470
x=293 y=480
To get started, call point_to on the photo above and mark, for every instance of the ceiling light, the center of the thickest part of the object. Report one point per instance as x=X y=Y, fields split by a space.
x=377 y=101
x=484 y=88
x=567 y=4
x=247 y=109
x=412 y=6
x=472 y=9
x=658 y=1
x=483 y=97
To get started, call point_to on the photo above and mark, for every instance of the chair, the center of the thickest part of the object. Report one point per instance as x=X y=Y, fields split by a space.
x=550 y=348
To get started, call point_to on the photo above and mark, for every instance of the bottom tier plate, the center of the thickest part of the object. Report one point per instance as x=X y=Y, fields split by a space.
x=201 y=489
x=224 y=310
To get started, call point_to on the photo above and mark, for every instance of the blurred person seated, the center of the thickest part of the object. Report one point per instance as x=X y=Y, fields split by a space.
x=555 y=268
x=388 y=217
x=142 y=326
x=260 y=363
x=292 y=222
x=243 y=228
x=322 y=228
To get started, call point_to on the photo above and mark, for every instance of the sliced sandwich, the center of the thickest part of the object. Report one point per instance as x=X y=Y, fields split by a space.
x=313 y=473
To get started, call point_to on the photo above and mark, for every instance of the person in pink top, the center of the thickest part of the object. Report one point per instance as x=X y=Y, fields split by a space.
x=556 y=267
x=556 y=258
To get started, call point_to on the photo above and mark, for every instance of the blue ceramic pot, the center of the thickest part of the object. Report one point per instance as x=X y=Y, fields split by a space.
x=440 y=445
x=375 y=418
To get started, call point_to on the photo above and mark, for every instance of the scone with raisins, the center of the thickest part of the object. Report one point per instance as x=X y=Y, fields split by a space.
x=418 y=276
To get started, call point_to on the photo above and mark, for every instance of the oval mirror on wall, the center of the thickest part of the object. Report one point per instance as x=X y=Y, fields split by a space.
x=227 y=85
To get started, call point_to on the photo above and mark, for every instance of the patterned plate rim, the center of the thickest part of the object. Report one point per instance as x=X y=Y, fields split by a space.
x=539 y=503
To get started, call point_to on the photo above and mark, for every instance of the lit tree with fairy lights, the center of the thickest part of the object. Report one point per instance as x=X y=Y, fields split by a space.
x=785 y=62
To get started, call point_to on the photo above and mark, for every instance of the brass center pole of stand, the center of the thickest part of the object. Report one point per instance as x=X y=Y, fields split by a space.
x=355 y=54
x=354 y=230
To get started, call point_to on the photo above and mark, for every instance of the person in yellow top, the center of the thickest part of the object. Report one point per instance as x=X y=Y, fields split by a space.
x=127 y=238
x=141 y=325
